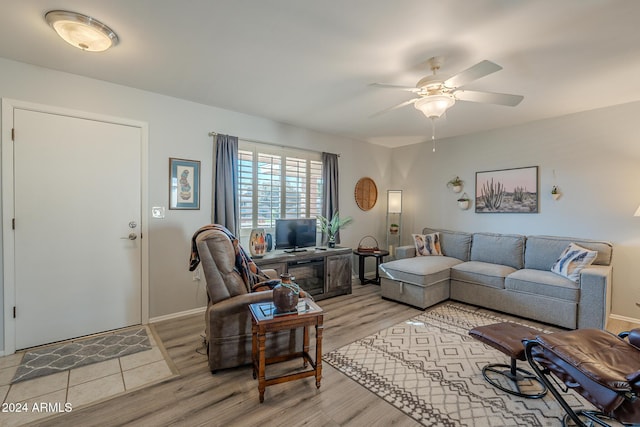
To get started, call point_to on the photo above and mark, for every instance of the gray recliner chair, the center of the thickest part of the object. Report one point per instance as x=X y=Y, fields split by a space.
x=227 y=318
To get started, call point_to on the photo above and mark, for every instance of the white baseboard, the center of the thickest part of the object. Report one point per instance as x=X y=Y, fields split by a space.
x=177 y=315
x=624 y=318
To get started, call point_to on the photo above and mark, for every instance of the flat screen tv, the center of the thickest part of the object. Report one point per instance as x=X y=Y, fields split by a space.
x=295 y=234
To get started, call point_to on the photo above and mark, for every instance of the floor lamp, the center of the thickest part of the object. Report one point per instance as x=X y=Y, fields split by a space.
x=394 y=219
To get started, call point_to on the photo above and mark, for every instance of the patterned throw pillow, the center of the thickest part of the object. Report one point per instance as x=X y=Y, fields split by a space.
x=427 y=244
x=573 y=260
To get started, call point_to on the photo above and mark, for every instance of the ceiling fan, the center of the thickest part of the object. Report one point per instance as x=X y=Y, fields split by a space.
x=435 y=96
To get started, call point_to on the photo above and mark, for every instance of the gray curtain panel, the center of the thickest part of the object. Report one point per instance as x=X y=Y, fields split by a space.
x=330 y=190
x=225 y=186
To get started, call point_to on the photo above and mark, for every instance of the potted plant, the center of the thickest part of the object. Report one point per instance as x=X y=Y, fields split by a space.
x=555 y=192
x=463 y=201
x=455 y=184
x=331 y=227
x=394 y=228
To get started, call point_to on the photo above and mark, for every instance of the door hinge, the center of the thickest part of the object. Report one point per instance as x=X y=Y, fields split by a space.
x=14 y=311
x=13 y=134
x=13 y=223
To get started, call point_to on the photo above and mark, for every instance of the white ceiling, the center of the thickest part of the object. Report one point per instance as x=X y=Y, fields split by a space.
x=309 y=63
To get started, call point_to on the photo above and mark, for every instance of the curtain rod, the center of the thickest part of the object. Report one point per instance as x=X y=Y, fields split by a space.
x=214 y=134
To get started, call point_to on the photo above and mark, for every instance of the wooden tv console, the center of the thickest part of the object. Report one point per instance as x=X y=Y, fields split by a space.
x=323 y=272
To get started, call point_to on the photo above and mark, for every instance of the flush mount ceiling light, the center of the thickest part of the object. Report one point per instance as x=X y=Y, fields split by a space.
x=81 y=31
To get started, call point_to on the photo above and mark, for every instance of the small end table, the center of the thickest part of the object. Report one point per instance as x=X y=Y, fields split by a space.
x=265 y=319
x=379 y=256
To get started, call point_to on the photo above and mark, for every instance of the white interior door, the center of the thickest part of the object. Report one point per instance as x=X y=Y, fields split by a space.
x=77 y=208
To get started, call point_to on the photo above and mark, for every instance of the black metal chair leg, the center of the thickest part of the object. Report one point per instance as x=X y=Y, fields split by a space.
x=592 y=416
x=515 y=375
x=528 y=345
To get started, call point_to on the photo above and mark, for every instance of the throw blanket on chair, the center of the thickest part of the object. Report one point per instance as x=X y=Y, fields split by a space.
x=248 y=270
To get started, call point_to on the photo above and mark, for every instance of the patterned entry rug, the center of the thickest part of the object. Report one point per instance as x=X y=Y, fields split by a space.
x=431 y=369
x=56 y=358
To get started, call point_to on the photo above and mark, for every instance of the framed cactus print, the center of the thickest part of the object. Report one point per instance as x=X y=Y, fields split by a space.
x=507 y=191
x=184 y=184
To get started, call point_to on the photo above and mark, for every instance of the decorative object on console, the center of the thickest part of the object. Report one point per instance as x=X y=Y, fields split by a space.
x=370 y=246
x=257 y=243
x=394 y=219
x=427 y=244
x=507 y=191
x=463 y=202
x=285 y=294
x=572 y=260
x=330 y=227
x=269 y=240
x=366 y=193
x=455 y=184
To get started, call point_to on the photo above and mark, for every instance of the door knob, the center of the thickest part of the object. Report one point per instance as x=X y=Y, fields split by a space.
x=131 y=236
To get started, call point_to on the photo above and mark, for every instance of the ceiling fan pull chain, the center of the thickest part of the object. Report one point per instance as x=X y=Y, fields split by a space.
x=433 y=133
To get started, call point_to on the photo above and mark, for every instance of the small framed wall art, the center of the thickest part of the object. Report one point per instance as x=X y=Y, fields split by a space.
x=184 y=184
x=507 y=191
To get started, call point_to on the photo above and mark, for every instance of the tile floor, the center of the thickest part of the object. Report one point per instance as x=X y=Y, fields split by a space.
x=46 y=396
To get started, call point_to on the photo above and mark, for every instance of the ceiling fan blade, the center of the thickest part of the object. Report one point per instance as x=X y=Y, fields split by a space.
x=481 y=69
x=395 y=107
x=406 y=88
x=488 y=97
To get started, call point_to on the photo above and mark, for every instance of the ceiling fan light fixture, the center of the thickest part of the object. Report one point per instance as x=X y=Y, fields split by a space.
x=434 y=106
x=81 y=31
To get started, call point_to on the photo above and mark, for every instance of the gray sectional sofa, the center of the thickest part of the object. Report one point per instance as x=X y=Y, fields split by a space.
x=504 y=272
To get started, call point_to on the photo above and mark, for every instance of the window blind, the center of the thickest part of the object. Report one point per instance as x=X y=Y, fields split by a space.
x=277 y=183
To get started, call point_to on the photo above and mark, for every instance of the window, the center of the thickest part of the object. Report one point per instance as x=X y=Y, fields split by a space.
x=277 y=183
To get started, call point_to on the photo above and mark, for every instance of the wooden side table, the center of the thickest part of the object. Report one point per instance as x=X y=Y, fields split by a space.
x=263 y=320
x=379 y=256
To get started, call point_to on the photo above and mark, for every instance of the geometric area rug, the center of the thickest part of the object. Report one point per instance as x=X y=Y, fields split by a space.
x=57 y=358
x=431 y=369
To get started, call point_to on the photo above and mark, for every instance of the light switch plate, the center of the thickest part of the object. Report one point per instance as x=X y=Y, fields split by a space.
x=157 y=212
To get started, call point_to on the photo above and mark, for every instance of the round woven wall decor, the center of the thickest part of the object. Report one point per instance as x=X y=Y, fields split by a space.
x=366 y=193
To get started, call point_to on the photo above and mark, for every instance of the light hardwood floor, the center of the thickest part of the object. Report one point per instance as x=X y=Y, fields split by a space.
x=230 y=397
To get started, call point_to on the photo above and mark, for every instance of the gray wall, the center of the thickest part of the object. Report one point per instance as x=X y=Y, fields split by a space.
x=595 y=155
x=179 y=128
x=596 y=159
